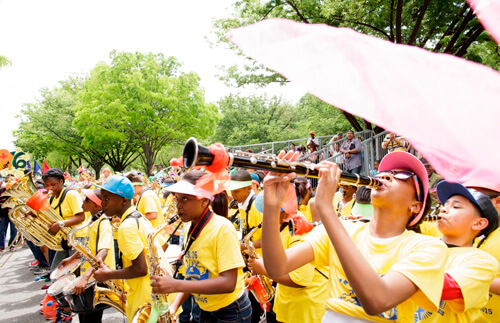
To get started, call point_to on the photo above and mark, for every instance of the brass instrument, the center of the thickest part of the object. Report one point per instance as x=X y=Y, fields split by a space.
x=16 y=242
x=158 y=305
x=197 y=155
x=34 y=228
x=265 y=282
x=115 y=295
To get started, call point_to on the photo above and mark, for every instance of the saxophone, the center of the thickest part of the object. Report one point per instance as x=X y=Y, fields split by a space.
x=114 y=295
x=259 y=285
x=157 y=309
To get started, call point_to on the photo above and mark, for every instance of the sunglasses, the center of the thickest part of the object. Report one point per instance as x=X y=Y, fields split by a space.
x=403 y=175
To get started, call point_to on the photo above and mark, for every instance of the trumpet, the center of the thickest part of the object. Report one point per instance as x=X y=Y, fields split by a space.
x=197 y=155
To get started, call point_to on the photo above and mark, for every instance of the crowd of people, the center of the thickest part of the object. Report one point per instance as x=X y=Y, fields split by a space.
x=268 y=246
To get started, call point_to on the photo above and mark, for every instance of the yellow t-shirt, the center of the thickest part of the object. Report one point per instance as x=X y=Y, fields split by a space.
x=71 y=205
x=305 y=210
x=473 y=270
x=420 y=258
x=150 y=202
x=491 y=311
x=306 y=304
x=132 y=241
x=254 y=219
x=429 y=228
x=105 y=241
x=214 y=251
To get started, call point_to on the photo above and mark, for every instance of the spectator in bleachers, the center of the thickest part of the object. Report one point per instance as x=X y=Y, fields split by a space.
x=312 y=149
x=313 y=140
x=351 y=148
x=393 y=142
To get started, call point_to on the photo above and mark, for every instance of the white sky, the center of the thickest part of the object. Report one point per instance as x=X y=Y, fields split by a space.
x=47 y=41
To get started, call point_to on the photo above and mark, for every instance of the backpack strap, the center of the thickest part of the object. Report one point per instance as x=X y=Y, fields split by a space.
x=249 y=206
x=61 y=200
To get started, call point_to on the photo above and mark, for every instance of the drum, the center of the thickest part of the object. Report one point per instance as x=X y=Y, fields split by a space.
x=56 y=289
x=63 y=270
x=82 y=303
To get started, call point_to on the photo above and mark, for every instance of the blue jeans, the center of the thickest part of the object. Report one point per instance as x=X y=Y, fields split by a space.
x=38 y=254
x=4 y=223
x=238 y=311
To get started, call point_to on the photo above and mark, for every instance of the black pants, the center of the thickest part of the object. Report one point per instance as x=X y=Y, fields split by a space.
x=91 y=317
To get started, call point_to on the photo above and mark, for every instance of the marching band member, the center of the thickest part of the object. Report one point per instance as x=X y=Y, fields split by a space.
x=300 y=294
x=117 y=197
x=465 y=215
x=379 y=271
x=99 y=240
x=148 y=203
x=68 y=204
x=212 y=259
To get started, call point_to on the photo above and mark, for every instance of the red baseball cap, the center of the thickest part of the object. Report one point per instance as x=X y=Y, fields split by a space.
x=406 y=161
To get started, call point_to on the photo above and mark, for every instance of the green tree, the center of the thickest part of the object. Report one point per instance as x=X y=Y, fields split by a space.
x=4 y=61
x=254 y=119
x=46 y=127
x=144 y=102
x=446 y=26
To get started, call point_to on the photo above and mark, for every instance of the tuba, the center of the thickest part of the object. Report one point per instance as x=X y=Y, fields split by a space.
x=34 y=228
x=197 y=155
x=157 y=309
x=114 y=295
x=259 y=285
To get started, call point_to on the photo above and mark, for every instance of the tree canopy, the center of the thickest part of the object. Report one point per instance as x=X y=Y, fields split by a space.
x=133 y=107
x=259 y=119
x=445 y=26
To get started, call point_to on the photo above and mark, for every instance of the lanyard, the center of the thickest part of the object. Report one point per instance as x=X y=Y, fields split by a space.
x=193 y=233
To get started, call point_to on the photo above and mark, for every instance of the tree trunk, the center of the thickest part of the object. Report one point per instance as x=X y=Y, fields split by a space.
x=352 y=120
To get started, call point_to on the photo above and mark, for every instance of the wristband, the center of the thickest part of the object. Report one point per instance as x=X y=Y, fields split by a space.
x=61 y=224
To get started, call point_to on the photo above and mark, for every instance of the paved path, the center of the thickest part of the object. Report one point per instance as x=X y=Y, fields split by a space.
x=20 y=295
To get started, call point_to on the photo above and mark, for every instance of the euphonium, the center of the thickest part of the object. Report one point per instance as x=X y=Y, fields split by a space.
x=115 y=295
x=34 y=228
x=158 y=305
x=197 y=155
x=259 y=285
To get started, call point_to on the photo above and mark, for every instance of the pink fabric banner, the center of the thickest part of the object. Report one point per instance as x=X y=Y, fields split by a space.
x=488 y=12
x=449 y=108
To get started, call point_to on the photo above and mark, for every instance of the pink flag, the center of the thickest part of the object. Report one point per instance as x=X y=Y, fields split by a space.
x=488 y=12
x=449 y=108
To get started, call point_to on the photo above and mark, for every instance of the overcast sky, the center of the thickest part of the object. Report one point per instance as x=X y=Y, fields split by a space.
x=47 y=41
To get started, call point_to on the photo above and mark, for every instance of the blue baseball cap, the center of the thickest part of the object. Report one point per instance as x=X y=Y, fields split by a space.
x=119 y=185
x=446 y=189
x=259 y=202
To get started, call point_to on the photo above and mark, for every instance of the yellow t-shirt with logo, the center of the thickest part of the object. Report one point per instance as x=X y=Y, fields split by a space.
x=132 y=241
x=420 y=258
x=491 y=311
x=150 y=202
x=215 y=250
x=254 y=219
x=105 y=241
x=473 y=270
x=306 y=304
x=71 y=205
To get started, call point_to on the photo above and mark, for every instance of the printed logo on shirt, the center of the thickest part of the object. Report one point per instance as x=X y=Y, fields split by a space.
x=350 y=296
x=422 y=314
x=193 y=269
